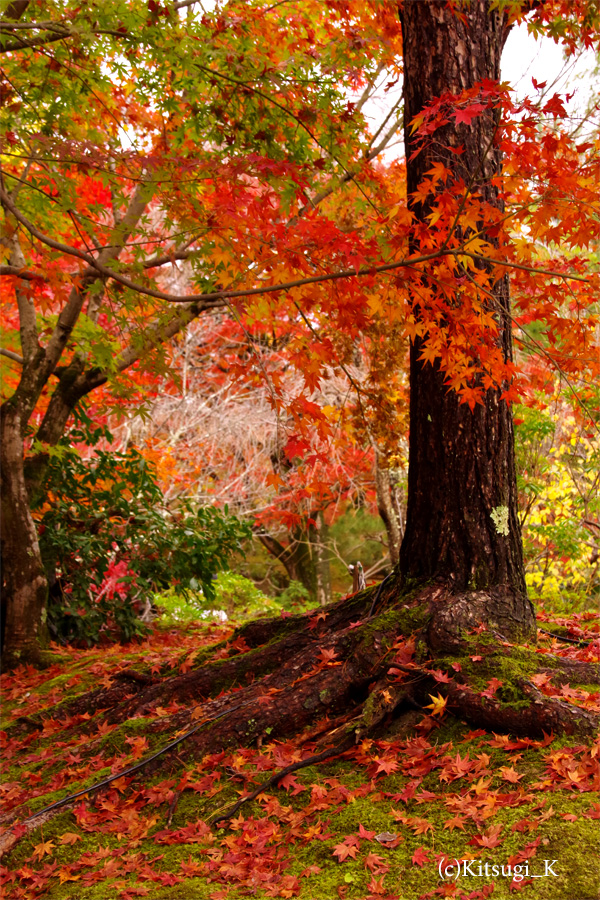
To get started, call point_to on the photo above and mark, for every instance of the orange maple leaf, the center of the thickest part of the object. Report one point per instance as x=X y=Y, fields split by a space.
x=45 y=848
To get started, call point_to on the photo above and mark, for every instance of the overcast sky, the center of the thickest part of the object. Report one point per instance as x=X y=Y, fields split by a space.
x=524 y=58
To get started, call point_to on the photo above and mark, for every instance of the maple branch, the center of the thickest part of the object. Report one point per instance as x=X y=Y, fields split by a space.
x=56 y=31
x=367 y=91
x=181 y=252
x=373 y=152
x=297 y=119
x=10 y=355
x=26 y=307
x=550 y=273
x=407 y=263
x=70 y=312
x=25 y=274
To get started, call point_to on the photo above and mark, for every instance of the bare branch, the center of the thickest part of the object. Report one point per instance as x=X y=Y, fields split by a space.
x=25 y=274
x=10 y=355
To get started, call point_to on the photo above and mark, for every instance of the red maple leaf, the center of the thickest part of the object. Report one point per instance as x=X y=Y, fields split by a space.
x=468 y=113
x=420 y=857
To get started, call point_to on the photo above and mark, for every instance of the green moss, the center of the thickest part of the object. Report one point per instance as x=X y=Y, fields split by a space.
x=510 y=670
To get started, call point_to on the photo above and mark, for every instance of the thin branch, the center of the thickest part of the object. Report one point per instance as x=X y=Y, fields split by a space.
x=10 y=355
x=293 y=116
x=25 y=274
x=550 y=273
x=276 y=778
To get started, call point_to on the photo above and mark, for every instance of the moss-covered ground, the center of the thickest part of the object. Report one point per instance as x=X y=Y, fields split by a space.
x=399 y=816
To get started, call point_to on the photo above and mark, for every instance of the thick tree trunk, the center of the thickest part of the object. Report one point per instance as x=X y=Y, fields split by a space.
x=25 y=589
x=462 y=527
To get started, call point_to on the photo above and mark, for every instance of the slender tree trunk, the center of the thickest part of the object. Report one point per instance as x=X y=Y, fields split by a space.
x=388 y=508
x=462 y=527
x=25 y=589
x=306 y=558
x=322 y=560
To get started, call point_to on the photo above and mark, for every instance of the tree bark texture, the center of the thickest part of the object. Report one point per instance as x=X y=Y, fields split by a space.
x=25 y=589
x=461 y=463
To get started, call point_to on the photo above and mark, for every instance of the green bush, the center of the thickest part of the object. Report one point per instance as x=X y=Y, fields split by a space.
x=295 y=598
x=109 y=541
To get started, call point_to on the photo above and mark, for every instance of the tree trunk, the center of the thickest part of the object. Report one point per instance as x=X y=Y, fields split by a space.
x=305 y=558
x=462 y=527
x=25 y=589
x=388 y=507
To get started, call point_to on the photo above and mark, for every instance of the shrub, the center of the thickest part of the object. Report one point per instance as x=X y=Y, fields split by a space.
x=110 y=541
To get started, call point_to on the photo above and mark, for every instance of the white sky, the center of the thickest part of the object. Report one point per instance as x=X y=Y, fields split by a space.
x=524 y=58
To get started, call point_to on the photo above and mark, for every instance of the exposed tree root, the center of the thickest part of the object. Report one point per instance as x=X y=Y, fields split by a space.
x=340 y=676
x=135 y=693
x=541 y=715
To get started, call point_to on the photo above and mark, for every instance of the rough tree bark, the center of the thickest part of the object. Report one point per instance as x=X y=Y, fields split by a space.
x=23 y=578
x=461 y=463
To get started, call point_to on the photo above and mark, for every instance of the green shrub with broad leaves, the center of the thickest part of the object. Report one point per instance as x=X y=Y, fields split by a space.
x=109 y=540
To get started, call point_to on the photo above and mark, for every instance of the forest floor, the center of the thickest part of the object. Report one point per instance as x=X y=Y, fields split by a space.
x=425 y=807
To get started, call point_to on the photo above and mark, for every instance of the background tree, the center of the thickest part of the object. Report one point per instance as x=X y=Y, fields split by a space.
x=150 y=136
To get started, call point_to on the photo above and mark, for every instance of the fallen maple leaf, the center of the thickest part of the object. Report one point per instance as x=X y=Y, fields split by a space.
x=345 y=850
x=455 y=822
x=489 y=839
x=376 y=863
x=440 y=676
x=43 y=849
x=138 y=745
x=314 y=620
x=510 y=774
x=420 y=857
x=492 y=686
x=438 y=706
x=310 y=870
x=386 y=765
x=69 y=837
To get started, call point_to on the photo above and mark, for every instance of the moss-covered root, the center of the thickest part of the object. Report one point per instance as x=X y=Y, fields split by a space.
x=495 y=688
x=533 y=716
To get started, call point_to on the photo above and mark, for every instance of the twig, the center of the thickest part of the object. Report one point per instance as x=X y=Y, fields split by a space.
x=378 y=594
x=276 y=778
x=566 y=640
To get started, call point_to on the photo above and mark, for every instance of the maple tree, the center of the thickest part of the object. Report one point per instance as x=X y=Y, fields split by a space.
x=177 y=157
x=443 y=631
x=221 y=441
